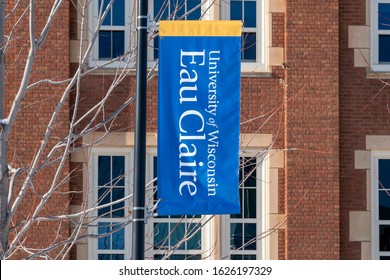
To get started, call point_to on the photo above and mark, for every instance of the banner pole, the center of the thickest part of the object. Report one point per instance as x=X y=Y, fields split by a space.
x=138 y=236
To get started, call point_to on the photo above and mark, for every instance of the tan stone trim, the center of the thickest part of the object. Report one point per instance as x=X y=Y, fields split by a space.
x=360 y=226
x=277 y=221
x=359 y=37
x=362 y=159
x=277 y=6
x=378 y=142
x=215 y=240
x=82 y=251
x=365 y=250
x=255 y=140
x=273 y=191
x=362 y=57
x=276 y=159
x=74 y=46
x=117 y=139
x=368 y=189
x=275 y=56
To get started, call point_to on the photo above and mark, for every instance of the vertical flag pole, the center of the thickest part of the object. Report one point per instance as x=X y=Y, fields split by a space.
x=138 y=237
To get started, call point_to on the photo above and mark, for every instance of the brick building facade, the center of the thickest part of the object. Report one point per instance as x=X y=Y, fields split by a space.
x=314 y=114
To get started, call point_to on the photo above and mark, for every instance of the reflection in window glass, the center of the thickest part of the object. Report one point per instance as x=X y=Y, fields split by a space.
x=384 y=48
x=384 y=238
x=383 y=16
x=248 y=47
x=384 y=205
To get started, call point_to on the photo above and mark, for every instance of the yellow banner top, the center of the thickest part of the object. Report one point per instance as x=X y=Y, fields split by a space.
x=200 y=28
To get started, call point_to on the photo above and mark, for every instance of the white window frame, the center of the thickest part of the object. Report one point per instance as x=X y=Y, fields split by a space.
x=375 y=222
x=129 y=26
x=261 y=212
x=93 y=250
x=374 y=37
x=260 y=64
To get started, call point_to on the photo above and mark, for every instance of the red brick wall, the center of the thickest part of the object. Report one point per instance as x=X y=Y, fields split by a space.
x=51 y=62
x=312 y=173
x=360 y=115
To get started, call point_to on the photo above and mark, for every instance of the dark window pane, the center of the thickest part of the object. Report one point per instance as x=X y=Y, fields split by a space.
x=195 y=242
x=383 y=16
x=235 y=236
x=249 y=203
x=250 y=14
x=104 y=241
x=243 y=257
x=384 y=238
x=384 y=205
x=249 y=46
x=118 y=208
x=238 y=216
x=160 y=9
x=250 y=236
x=158 y=257
x=384 y=173
x=160 y=235
x=196 y=14
x=118 y=170
x=118 y=257
x=384 y=258
x=155 y=49
x=236 y=10
x=104 y=171
x=384 y=48
x=249 y=257
x=104 y=257
x=178 y=8
x=177 y=257
x=118 y=16
x=250 y=172
x=118 y=238
x=107 y=19
x=177 y=234
x=104 y=44
x=118 y=43
x=104 y=197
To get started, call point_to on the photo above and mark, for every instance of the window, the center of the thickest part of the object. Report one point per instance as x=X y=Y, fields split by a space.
x=114 y=33
x=251 y=13
x=109 y=185
x=174 y=237
x=171 y=10
x=380 y=35
x=242 y=237
x=381 y=206
x=171 y=237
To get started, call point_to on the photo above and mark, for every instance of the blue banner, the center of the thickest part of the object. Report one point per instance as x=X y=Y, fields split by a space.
x=198 y=120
